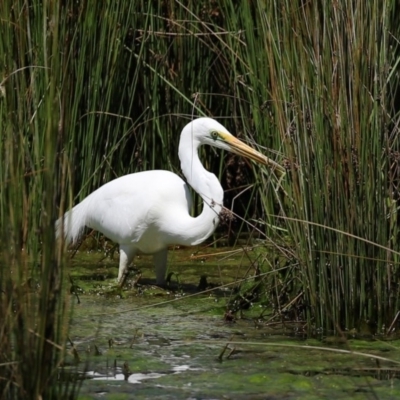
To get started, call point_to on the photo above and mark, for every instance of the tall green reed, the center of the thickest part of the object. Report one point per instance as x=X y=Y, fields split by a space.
x=332 y=84
x=318 y=83
x=33 y=306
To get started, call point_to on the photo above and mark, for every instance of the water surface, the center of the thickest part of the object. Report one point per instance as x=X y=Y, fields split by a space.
x=147 y=342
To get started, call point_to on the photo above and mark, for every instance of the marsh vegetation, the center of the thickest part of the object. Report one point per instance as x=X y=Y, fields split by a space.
x=89 y=92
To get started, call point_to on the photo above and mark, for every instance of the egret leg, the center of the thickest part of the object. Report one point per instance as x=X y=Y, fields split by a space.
x=126 y=254
x=160 y=262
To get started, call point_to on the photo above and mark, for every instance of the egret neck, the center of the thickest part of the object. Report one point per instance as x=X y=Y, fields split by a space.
x=205 y=183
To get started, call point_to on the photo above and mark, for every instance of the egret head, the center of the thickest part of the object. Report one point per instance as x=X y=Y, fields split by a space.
x=209 y=131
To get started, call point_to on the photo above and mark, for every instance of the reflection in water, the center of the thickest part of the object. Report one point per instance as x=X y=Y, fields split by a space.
x=137 y=377
x=133 y=378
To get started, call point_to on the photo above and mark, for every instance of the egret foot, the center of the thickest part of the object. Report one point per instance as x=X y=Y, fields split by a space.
x=136 y=277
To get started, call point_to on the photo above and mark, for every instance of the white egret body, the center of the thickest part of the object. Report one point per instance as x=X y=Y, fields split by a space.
x=149 y=211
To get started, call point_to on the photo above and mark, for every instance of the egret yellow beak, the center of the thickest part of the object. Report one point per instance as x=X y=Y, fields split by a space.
x=242 y=149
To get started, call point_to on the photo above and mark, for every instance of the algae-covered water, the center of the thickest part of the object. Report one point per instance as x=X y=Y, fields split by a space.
x=146 y=342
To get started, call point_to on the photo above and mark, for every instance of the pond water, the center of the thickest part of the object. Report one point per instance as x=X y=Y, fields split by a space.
x=147 y=342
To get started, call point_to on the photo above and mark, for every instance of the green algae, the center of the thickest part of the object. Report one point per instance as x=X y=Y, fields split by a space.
x=174 y=343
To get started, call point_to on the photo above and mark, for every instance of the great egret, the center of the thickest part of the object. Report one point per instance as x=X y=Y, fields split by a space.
x=149 y=211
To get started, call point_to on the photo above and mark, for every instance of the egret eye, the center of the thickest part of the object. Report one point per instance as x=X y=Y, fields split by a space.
x=214 y=135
